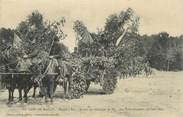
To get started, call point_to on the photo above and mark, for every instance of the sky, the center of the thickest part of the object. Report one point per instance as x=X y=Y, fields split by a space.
x=155 y=15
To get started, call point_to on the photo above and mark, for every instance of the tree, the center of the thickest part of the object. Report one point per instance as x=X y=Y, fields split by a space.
x=164 y=52
x=39 y=35
x=6 y=41
x=37 y=38
x=6 y=38
x=123 y=28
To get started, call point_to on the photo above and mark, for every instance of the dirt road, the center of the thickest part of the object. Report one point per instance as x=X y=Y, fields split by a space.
x=160 y=95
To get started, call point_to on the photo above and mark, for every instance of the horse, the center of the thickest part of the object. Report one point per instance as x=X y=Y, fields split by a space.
x=9 y=83
x=66 y=72
x=48 y=80
x=22 y=81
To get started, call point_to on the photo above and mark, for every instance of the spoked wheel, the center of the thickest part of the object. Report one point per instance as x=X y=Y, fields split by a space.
x=109 y=85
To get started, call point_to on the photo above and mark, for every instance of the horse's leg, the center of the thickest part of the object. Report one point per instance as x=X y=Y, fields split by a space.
x=26 y=90
x=12 y=88
x=69 y=83
x=20 y=94
x=12 y=92
x=42 y=91
x=65 y=87
x=55 y=86
x=9 y=92
x=51 y=88
x=34 y=91
x=25 y=94
x=45 y=88
x=46 y=94
x=28 y=85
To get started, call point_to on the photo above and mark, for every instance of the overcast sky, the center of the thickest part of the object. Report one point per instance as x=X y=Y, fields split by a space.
x=156 y=15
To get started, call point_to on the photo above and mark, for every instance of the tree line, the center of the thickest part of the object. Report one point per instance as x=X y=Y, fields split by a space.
x=164 y=52
x=133 y=53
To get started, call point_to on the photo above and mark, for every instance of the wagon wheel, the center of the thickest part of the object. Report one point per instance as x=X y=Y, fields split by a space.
x=109 y=85
x=78 y=86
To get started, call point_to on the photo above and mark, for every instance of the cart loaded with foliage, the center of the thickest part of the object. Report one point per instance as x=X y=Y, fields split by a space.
x=115 y=51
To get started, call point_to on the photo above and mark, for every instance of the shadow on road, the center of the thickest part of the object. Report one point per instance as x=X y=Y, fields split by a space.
x=95 y=91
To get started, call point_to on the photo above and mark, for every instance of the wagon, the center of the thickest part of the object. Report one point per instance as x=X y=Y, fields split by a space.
x=105 y=78
x=99 y=70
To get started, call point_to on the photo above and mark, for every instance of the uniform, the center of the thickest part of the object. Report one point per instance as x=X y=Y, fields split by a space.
x=49 y=81
x=23 y=65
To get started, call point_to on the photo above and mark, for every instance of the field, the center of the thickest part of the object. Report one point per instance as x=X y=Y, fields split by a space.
x=160 y=95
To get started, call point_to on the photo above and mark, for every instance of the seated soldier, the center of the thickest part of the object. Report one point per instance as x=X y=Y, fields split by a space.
x=23 y=64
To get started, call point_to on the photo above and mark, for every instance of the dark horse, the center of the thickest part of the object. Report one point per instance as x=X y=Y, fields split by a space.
x=9 y=83
x=24 y=83
x=21 y=81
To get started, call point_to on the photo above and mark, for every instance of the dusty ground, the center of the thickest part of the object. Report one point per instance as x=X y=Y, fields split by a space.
x=160 y=95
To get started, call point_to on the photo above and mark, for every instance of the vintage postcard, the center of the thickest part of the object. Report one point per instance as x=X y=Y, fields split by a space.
x=94 y=58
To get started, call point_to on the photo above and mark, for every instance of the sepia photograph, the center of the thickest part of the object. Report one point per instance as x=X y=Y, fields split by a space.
x=91 y=58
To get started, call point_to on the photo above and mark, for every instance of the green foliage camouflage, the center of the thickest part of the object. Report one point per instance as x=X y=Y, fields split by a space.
x=128 y=58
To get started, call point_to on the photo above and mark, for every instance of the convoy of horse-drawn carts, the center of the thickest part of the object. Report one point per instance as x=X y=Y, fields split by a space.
x=36 y=58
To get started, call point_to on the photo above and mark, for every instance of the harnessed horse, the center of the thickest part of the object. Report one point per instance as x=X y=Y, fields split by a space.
x=48 y=80
x=66 y=72
x=20 y=81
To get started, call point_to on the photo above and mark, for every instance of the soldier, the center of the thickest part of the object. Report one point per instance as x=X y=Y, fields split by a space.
x=23 y=64
x=61 y=53
x=49 y=80
x=66 y=73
